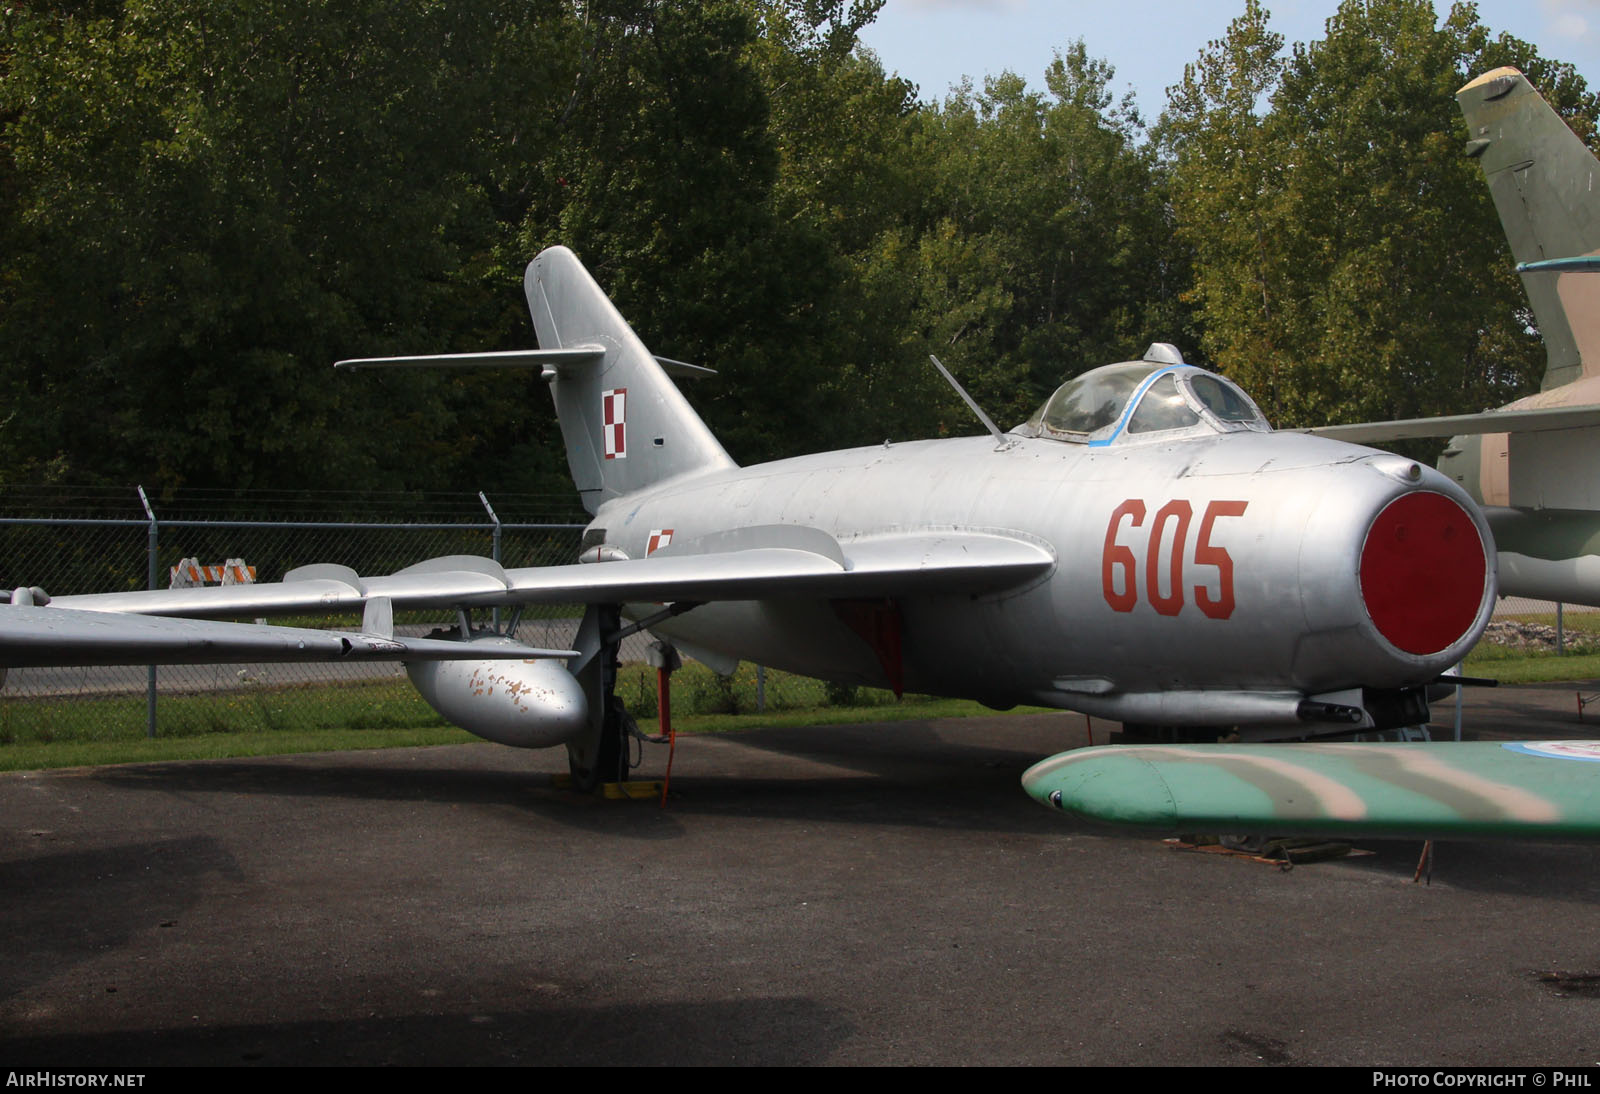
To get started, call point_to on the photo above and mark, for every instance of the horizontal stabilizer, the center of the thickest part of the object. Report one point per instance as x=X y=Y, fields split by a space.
x=1579 y=264
x=36 y=637
x=1456 y=425
x=1519 y=789
x=683 y=370
x=515 y=358
x=814 y=565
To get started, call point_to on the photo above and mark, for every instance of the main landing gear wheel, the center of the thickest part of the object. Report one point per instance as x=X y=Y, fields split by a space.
x=607 y=758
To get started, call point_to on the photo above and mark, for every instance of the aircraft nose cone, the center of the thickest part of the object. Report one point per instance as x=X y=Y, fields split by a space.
x=1423 y=572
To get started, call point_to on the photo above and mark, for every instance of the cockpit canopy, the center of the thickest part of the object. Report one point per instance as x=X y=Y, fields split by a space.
x=1132 y=399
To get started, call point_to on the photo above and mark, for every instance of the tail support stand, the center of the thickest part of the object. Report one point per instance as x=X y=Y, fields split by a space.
x=666 y=661
x=1424 y=865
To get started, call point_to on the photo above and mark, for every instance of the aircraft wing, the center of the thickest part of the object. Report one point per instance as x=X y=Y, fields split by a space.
x=1523 y=789
x=746 y=564
x=33 y=637
x=1457 y=425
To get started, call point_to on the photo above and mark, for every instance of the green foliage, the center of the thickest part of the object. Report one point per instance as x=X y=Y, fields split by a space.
x=216 y=200
x=1348 y=263
x=840 y=695
x=203 y=204
x=1040 y=251
x=697 y=690
x=356 y=708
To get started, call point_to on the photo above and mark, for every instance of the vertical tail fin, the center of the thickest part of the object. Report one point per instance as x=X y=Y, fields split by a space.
x=1542 y=178
x=625 y=424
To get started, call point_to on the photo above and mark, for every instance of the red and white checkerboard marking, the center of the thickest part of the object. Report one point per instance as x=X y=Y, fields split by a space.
x=659 y=538
x=614 y=427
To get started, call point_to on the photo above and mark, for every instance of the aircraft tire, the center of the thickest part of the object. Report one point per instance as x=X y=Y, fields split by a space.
x=610 y=753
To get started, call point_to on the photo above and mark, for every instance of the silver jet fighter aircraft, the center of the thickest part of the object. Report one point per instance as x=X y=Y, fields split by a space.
x=1145 y=548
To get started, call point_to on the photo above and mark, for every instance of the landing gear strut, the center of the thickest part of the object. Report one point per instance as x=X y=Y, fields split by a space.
x=599 y=754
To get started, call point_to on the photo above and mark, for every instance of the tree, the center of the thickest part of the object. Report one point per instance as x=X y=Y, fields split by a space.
x=215 y=201
x=1348 y=260
x=1225 y=190
x=1042 y=236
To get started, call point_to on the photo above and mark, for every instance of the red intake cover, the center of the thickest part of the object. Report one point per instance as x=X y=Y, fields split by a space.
x=1422 y=572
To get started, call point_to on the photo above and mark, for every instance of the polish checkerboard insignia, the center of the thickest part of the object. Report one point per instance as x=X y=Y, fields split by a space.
x=614 y=419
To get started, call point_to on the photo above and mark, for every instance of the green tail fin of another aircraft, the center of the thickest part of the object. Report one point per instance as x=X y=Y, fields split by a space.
x=1542 y=178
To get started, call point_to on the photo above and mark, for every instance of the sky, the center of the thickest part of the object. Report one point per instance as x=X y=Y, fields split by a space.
x=934 y=43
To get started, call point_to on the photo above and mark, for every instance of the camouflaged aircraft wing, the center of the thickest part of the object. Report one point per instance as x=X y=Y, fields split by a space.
x=33 y=637
x=1513 y=789
x=1460 y=425
x=748 y=564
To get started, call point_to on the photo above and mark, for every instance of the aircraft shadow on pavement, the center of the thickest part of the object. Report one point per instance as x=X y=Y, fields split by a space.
x=901 y=773
x=784 y=1031
x=72 y=906
x=904 y=774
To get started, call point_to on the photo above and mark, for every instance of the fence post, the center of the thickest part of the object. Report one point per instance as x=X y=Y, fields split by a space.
x=1561 y=642
x=152 y=541
x=496 y=547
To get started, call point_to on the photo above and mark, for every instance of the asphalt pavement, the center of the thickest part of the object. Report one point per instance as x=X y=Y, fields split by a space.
x=868 y=894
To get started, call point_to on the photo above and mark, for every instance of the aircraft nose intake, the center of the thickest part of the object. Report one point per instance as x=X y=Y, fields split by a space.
x=1423 y=570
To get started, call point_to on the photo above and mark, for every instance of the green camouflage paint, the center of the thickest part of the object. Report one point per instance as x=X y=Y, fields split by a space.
x=1524 y=789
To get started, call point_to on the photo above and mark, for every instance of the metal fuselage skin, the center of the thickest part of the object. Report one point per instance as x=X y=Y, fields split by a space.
x=1254 y=587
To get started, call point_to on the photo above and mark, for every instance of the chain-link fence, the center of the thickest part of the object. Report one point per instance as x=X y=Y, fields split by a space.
x=100 y=542
x=1523 y=624
x=103 y=541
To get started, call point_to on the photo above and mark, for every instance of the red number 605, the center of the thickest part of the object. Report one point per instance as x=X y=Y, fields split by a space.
x=1119 y=567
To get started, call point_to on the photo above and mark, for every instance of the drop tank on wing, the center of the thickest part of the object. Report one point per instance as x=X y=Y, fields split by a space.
x=526 y=704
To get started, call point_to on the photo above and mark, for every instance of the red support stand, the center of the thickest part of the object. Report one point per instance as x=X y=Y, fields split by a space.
x=664 y=711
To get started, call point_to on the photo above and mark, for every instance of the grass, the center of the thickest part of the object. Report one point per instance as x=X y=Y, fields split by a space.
x=39 y=756
x=1509 y=665
x=1513 y=667
x=76 y=732
x=354 y=707
x=71 y=732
